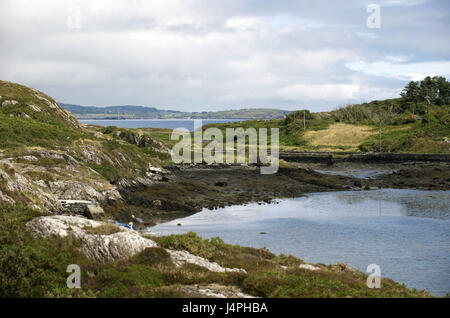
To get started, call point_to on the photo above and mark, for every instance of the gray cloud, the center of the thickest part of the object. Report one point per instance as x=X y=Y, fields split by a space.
x=211 y=55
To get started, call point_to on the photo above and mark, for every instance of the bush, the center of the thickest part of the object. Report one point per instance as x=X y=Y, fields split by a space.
x=29 y=266
x=154 y=256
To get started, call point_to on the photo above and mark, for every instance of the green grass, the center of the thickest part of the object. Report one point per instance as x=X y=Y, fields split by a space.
x=417 y=137
x=16 y=132
x=25 y=97
x=104 y=229
x=136 y=160
x=31 y=266
x=266 y=278
x=399 y=133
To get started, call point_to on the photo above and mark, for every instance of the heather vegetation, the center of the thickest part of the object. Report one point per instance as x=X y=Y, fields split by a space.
x=31 y=266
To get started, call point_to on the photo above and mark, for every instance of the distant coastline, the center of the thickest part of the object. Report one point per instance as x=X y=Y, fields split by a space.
x=151 y=113
x=163 y=123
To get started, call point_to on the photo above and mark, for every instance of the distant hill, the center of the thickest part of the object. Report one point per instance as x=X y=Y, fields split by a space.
x=143 y=112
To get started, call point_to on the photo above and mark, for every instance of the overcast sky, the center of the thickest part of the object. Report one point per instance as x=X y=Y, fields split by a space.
x=213 y=55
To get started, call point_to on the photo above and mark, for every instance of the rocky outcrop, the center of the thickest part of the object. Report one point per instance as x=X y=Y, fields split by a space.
x=215 y=291
x=107 y=248
x=21 y=101
x=309 y=267
x=94 y=212
x=43 y=177
x=102 y=248
x=141 y=140
x=9 y=102
x=75 y=163
x=182 y=257
x=56 y=109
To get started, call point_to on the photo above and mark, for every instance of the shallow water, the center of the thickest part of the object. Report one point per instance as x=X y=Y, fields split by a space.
x=357 y=173
x=154 y=123
x=405 y=232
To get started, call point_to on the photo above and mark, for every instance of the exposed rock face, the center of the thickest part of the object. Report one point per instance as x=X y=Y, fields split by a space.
x=77 y=164
x=308 y=267
x=94 y=212
x=9 y=102
x=102 y=248
x=108 y=248
x=214 y=290
x=181 y=257
x=141 y=140
x=61 y=112
x=43 y=177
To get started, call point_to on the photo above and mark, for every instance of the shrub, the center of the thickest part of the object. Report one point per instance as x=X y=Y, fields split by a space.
x=154 y=256
x=104 y=229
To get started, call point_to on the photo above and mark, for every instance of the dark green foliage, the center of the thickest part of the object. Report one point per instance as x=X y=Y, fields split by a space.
x=216 y=250
x=154 y=256
x=305 y=283
x=437 y=88
x=29 y=266
x=17 y=132
x=129 y=280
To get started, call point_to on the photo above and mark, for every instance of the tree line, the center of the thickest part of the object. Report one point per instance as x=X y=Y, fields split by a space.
x=436 y=89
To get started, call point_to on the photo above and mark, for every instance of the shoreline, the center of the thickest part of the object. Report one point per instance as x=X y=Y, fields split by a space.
x=210 y=224
x=188 y=189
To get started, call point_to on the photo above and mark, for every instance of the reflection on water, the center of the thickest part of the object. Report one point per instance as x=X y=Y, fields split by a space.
x=405 y=232
x=430 y=204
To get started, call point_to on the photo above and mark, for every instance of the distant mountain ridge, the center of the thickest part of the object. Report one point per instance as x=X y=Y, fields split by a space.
x=145 y=112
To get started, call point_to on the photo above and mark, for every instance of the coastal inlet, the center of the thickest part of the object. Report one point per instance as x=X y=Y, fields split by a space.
x=405 y=232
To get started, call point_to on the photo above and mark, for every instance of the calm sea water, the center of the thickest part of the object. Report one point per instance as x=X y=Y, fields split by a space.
x=156 y=123
x=405 y=232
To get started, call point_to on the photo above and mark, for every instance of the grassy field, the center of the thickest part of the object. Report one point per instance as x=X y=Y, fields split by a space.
x=339 y=136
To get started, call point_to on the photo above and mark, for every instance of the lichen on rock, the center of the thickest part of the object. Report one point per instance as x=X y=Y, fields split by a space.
x=108 y=248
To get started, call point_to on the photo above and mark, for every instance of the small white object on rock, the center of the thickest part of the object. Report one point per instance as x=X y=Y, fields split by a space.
x=108 y=248
x=102 y=248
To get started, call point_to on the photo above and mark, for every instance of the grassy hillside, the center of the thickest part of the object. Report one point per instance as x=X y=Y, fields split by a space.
x=46 y=154
x=23 y=102
x=356 y=128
